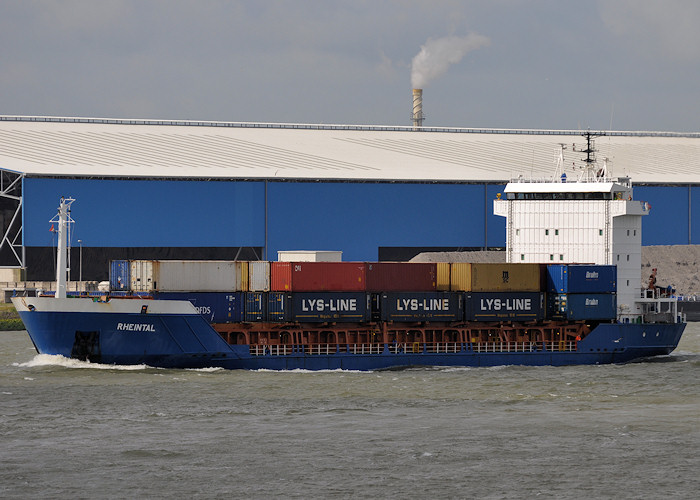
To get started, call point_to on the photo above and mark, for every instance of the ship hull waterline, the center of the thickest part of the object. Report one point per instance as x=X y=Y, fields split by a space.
x=143 y=332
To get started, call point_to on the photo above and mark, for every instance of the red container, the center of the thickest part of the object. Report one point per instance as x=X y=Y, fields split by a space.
x=317 y=276
x=280 y=276
x=401 y=276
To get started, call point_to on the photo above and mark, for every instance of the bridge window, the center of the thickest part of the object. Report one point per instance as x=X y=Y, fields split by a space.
x=559 y=196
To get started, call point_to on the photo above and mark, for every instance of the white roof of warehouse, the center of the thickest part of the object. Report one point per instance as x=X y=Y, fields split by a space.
x=175 y=149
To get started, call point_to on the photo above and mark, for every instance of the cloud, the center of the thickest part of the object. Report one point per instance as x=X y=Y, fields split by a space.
x=653 y=28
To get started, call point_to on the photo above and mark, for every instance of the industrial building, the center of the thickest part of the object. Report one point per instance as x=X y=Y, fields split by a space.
x=148 y=189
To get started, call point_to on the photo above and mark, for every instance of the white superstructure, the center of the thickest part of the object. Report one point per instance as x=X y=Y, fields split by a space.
x=589 y=218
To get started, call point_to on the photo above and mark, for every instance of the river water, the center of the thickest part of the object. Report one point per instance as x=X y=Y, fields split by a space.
x=73 y=430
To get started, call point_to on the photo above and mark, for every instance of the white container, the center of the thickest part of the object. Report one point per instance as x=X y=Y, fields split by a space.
x=259 y=276
x=309 y=256
x=201 y=276
x=142 y=276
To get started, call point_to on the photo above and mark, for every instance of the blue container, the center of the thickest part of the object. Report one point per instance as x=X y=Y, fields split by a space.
x=119 y=275
x=410 y=307
x=581 y=278
x=333 y=307
x=215 y=307
x=504 y=306
x=255 y=307
x=582 y=306
x=278 y=308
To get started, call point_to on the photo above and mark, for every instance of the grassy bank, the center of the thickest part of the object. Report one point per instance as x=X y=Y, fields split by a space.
x=9 y=319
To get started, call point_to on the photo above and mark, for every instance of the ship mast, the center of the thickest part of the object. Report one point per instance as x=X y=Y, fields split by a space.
x=591 y=172
x=63 y=219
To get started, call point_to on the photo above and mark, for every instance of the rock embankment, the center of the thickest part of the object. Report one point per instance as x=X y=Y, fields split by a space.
x=676 y=265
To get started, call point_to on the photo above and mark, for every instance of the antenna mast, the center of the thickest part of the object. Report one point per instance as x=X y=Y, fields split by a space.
x=64 y=220
x=589 y=170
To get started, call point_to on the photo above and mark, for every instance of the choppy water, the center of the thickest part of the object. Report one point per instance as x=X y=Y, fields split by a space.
x=73 y=430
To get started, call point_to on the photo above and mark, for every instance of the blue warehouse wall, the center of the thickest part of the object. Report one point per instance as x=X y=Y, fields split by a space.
x=495 y=224
x=667 y=222
x=357 y=218
x=121 y=213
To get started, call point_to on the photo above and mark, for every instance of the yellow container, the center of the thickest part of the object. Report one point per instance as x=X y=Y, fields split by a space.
x=443 y=276
x=244 y=276
x=505 y=277
x=461 y=277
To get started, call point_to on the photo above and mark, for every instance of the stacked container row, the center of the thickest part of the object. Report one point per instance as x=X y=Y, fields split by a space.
x=489 y=277
x=163 y=275
x=189 y=276
x=399 y=307
x=407 y=292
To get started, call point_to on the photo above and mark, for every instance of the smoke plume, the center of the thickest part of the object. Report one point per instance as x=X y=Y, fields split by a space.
x=436 y=56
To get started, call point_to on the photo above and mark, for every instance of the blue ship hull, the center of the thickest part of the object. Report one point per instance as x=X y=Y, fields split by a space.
x=143 y=332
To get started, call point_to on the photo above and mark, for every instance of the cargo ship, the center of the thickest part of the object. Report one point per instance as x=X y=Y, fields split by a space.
x=568 y=293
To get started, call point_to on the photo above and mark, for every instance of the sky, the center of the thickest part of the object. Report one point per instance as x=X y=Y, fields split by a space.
x=531 y=64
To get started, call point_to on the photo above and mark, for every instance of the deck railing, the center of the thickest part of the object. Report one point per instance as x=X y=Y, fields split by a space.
x=413 y=348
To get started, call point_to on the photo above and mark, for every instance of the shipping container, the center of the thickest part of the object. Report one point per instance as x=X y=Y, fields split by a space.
x=245 y=276
x=278 y=306
x=581 y=278
x=215 y=307
x=280 y=276
x=119 y=275
x=419 y=306
x=317 y=276
x=333 y=307
x=443 y=277
x=259 y=276
x=255 y=307
x=504 y=306
x=461 y=277
x=401 y=276
x=200 y=275
x=141 y=274
x=503 y=277
x=309 y=256
x=582 y=306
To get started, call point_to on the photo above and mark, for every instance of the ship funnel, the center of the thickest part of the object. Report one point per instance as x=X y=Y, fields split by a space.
x=417 y=115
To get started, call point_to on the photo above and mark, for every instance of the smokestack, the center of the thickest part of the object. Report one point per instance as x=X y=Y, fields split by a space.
x=417 y=115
